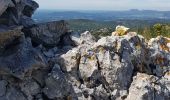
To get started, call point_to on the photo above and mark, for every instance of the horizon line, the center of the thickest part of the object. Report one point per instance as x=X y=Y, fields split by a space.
x=102 y=10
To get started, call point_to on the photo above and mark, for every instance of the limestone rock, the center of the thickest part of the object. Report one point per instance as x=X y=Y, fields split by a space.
x=88 y=65
x=100 y=93
x=84 y=38
x=114 y=55
x=160 y=54
x=70 y=60
x=147 y=87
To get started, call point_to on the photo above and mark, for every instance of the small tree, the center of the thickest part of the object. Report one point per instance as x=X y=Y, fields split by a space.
x=158 y=29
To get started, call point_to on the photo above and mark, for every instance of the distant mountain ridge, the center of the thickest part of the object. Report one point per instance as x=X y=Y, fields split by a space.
x=46 y=15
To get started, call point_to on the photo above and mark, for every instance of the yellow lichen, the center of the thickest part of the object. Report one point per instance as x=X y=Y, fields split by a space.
x=167 y=73
x=164 y=46
x=92 y=57
x=160 y=60
x=101 y=49
x=120 y=30
x=138 y=46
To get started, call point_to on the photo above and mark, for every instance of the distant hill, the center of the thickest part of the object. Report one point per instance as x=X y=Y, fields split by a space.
x=50 y=15
x=141 y=21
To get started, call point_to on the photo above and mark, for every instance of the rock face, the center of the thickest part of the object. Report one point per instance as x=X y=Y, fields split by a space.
x=21 y=60
x=5 y=5
x=12 y=12
x=148 y=87
x=46 y=62
x=47 y=34
x=160 y=54
x=104 y=69
x=56 y=84
x=8 y=35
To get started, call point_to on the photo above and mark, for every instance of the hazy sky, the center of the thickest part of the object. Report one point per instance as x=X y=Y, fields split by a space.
x=104 y=4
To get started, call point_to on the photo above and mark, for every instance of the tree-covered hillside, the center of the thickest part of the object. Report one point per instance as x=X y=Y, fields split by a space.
x=148 y=28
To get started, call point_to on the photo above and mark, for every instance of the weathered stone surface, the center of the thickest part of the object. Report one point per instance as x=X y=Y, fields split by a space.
x=13 y=94
x=30 y=88
x=111 y=62
x=27 y=21
x=84 y=38
x=73 y=66
x=160 y=55
x=113 y=56
x=4 y=5
x=8 y=35
x=57 y=86
x=12 y=12
x=70 y=60
x=30 y=7
x=147 y=87
x=88 y=65
x=100 y=93
x=3 y=87
x=21 y=59
x=47 y=34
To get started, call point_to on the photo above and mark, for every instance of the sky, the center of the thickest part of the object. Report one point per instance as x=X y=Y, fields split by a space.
x=163 y=5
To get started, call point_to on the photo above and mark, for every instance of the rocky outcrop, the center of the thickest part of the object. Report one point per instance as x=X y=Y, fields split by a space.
x=160 y=54
x=47 y=62
x=112 y=68
x=14 y=12
x=148 y=87
x=48 y=34
x=5 y=5
x=84 y=38
x=21 y=60
x=8 y=35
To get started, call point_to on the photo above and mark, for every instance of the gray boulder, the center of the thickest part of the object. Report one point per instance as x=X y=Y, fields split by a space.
x=12 y=12
x=30 y=88
x=29 y=8
x=47 y=34
x=69 y=61
x=83 y=38
x=147 y=87
x=13 y=94
x=21 y=59
x=8 y=35
x=160 y=55
x=4 y=5
x=57 y=86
